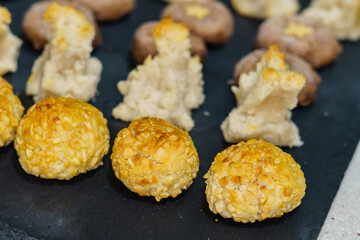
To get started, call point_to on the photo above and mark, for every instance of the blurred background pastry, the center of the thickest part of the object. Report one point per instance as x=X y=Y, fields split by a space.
x=110 y=10
x=309 y=39
x=341 y=16
x=265 y=8
x=143 y=44
x=34 y=26
x=210 y=20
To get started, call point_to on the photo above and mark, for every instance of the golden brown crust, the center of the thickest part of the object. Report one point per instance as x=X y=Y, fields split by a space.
x=319 y=48
x=34 y=28
x=254 y=181
x=11 y=111
x=143 y=44
x=110 y=10
x=153 y=157
x=215 y=28
x=61 y=138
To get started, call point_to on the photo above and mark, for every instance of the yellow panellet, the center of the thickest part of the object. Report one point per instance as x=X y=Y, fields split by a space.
x=61 y=138
x=153 y=157
x=252 y=181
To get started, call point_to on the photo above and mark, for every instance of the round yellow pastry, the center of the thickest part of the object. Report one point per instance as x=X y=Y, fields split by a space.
x=11 y=111
x=153 y=157
x=254 y=181
x=61 y=138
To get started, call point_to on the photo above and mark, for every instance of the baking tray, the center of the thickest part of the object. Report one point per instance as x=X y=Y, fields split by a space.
x=96 y=205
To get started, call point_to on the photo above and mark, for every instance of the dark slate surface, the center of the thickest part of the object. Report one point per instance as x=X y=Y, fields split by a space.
x=96 y=205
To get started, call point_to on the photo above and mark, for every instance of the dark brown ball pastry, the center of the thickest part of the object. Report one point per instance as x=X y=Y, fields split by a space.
x=34 y=28
x=295 y=63
x=211 y=20
x=110 y=10
x=143 y=43
x=309 y=39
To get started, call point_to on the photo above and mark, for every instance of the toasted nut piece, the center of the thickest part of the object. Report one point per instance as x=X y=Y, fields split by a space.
x=143 y=44
x=34 y=27
x=307 y=38
x=252 y=181
x=211 y=20
x=110 y=10
x=61 y=138
x=153 y=157
x=296 y=64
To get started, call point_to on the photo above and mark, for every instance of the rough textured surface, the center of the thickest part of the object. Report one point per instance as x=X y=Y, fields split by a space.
x=296 y=64
x=254 y=181
x=61 y=138
x=265 y=8
x=11 y=111
x=167 y=86
x=343 y=219
x=34 y=27
x=264 y=100
x=309 y=39
x=96 y=205
x=153 y=157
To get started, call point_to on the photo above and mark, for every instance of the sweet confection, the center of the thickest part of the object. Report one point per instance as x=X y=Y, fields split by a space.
x=9 y=44
x=167 y=86
x=252 y=181
x=265 y=8
x=34 y=27
x=153 y=157
x=296 y=64
x=65 y=67
x=11 y=111
x=60 y=138
x=309 y=39
x=264 y=99
x=341 y=16
x=143 y=44
x=210 y=20
x=110 y=10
